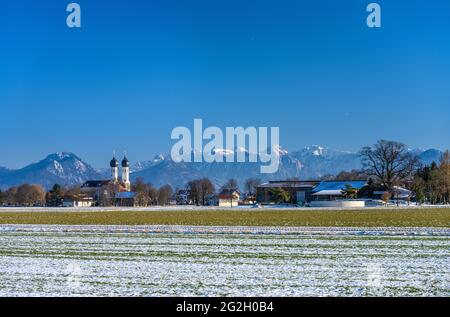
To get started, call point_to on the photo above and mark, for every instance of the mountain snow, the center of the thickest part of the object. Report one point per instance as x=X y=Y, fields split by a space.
x=311 y=162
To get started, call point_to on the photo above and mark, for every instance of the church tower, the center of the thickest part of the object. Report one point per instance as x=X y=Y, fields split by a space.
x=114 y=170
x=126 y=173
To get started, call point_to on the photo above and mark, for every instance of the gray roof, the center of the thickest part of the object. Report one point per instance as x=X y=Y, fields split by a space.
x=309 y=184
x=125 y=195
x=335 y=186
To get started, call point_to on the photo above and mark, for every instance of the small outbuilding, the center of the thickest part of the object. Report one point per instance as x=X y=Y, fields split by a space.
x=228 y=197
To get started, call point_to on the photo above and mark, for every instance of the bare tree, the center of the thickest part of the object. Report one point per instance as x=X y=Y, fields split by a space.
x=199 y=189
x=251 y=184
x=30 y=195
x=164 y=194
x=390 y=162
x=9 y=197
x=231 y=184
x=141 y=189
x=107 y=195
x=353 y=175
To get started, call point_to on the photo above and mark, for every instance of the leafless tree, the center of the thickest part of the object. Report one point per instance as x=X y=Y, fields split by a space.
x=107 y=195
x=199 y=189
x=164 y=194
x=30 y=195
x=231 y=184
x=9 y=196
x=251 y=184
x=141 y=189
x=390 y=162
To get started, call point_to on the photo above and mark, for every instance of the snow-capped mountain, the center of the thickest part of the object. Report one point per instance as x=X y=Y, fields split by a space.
x=65 y=169
x=429 y=156
x=319 y=161
x=312 y=162
x=142 y=165
x=178 y=174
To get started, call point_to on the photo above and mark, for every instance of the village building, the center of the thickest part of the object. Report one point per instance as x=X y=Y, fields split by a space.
x=300 y=191
x=125 y=199
x=333 y=190
x=182 y=197
x=77 y=201
x=332 y=194
x=228 y=197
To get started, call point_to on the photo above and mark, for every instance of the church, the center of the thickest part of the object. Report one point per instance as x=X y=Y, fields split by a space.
x=114 y=191
x=125 y=181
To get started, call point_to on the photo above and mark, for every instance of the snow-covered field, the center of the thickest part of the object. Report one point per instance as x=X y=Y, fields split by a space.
x=164 y=264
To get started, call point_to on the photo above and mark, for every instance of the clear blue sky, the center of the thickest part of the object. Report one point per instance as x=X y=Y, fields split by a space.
x=136 y=69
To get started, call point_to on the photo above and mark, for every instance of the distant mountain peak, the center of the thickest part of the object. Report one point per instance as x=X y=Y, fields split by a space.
x=63 y=168
x=61 y=155
x=158 y=158
x=276 y=148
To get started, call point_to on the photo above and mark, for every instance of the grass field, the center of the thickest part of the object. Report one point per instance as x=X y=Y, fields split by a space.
x=293 y=218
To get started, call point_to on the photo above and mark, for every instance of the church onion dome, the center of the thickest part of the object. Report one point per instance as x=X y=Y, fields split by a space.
x=125 y=162
x=114 y=162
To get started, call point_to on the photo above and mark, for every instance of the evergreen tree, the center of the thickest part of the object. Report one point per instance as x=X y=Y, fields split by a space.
x=279 y=195
x=349 y=192
x=55 y=196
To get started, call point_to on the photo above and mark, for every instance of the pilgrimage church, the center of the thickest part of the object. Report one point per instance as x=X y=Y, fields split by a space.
x=122 y=184
x=115 y=191
x=125 y=181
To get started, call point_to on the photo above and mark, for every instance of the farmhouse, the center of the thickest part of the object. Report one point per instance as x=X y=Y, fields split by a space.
x=78 y=201
x=228 y=197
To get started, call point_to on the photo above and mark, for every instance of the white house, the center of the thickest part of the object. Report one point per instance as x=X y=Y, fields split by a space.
x=74 y=201
x=229 y=198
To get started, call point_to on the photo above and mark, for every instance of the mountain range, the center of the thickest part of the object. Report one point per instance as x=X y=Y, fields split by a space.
x=312 y=162
x=65 y=169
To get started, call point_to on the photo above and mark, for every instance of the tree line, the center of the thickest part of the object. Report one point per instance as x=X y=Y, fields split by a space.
x=23 y=195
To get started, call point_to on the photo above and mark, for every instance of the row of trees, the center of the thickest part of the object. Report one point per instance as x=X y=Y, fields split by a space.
x=23 y=195
x=147 y=194
x=392 y=164
x=34 y=195
x=389 y=164
x=432 y=183
x=200 y=189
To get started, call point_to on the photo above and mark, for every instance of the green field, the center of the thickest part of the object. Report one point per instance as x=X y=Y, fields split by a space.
x=295 y=218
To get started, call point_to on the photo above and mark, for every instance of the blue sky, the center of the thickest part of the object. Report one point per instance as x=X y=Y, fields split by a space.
x=137 y=69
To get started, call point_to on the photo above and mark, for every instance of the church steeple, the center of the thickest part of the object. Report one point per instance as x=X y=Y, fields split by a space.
x=126 y=172
x=114 y=169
